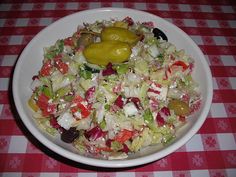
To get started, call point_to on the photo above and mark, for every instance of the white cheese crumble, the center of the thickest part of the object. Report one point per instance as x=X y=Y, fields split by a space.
x=130 y=109
x=153 y=51
x=66 y=120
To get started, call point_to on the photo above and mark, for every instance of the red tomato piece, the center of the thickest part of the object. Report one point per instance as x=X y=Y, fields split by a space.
x=80 y=104
x=46 y=69
x=42 y=101
x=44 y=105
x=61 y=66
x=69 y=41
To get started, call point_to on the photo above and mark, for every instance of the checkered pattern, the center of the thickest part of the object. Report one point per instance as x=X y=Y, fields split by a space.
x=211 y=152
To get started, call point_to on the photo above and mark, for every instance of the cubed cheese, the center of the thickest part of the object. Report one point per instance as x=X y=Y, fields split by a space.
x=130 y=109
x=66 y=120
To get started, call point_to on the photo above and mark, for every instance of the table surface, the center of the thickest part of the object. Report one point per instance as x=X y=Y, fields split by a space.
x=211 y=152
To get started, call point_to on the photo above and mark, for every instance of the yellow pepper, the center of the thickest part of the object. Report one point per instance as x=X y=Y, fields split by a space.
x=119 y=34
x=102 y=53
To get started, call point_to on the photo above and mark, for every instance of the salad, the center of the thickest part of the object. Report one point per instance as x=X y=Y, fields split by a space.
x=113 y=88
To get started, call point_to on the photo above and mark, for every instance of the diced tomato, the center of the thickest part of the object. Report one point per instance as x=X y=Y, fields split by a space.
x=42 y=101
x=46 y=69
x=124 y=135
x=77 y=99
x=51 y=108
x=69 y=41
x=180 y=63
x=85 y=112
x=61 y=66
x=44 y=105
x=81 y=105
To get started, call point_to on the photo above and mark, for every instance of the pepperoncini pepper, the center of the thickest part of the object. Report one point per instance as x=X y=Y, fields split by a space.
x=119 y=34
x=104 y=52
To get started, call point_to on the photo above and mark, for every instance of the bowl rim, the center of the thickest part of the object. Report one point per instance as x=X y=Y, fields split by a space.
x=100 y=162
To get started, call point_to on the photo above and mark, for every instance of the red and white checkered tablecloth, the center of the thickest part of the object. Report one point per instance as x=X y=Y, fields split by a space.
x=211 y=152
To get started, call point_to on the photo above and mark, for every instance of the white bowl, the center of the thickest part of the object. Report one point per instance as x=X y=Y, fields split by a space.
x=30 y=62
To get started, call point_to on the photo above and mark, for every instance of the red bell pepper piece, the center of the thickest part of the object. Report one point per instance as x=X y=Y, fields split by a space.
x=123 y=136
x=180 y=63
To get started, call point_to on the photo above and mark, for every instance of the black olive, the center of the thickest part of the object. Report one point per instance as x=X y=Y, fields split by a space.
x=70 y=135
x=159 y=34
